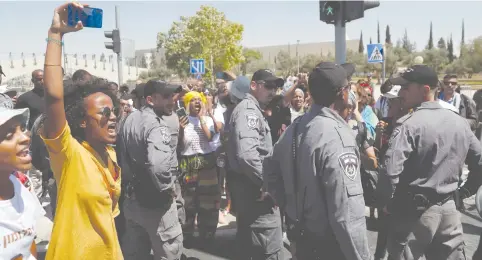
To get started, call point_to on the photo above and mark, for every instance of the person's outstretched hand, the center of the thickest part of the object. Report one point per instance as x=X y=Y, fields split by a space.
x=59 y=21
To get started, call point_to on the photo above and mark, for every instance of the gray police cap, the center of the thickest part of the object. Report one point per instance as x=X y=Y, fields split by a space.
x=240 y=87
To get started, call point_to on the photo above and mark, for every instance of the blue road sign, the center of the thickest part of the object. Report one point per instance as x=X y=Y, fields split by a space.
x=197 y=66
x=375 y=53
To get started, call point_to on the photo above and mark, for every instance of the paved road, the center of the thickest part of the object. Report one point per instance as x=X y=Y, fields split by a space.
x=224 y=249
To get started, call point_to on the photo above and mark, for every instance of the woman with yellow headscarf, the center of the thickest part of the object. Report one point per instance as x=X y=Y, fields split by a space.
x=199 y=181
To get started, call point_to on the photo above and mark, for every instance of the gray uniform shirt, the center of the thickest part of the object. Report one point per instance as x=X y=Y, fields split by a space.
x=427 y=151
x=172 y=123
x=330 y=193
x=145 y=140
x=249 y=139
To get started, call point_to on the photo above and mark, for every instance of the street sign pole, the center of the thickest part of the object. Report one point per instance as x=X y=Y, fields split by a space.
x=340 y=36
x=119 y=55
x=383 y=67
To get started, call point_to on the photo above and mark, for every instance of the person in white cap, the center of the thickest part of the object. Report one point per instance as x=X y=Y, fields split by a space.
x=236 y=91
x=20 y=208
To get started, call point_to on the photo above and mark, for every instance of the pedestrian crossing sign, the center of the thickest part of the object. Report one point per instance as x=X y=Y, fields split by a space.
x=375 y=53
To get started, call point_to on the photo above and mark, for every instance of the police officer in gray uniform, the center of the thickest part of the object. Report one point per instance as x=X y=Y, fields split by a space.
x=426 y=152
x=146 y=151
x=314 y=175
x=259 y=224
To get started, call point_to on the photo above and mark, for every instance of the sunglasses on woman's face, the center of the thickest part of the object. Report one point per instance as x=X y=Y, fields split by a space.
x=107 y=111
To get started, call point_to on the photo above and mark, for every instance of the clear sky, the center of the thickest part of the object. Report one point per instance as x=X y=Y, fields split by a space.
x=24 y=24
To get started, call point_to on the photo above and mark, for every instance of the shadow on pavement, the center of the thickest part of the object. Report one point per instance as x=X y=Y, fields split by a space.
x=222 y=246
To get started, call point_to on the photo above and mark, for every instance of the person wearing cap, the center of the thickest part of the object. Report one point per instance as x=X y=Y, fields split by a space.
x=384 y=129
x=259 y=231
x=13 y=94
x=313 y=174
x=146 y=151
x=421 y=171
x=234 y=93
x=21 y=209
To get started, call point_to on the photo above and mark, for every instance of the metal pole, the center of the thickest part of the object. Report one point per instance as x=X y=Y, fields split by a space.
x=119 y=55
x=340 y=36
x=383 y=70
x=212 y=71
x=297 y=55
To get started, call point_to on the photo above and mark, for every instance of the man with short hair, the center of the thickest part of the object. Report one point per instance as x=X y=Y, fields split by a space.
x=33 y=99
x=425 y=155
x=464 y=104
x=259 y=223
x=146 y=149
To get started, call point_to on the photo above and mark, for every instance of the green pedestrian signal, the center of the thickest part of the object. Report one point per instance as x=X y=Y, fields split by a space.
x=329 y=10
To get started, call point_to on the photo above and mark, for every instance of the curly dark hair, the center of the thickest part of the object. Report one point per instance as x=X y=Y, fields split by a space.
x=75 y=110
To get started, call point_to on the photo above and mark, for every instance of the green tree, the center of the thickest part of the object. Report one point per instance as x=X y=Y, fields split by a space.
x=473 y=56
x=388 y=36
x=256 y=65
x=359 y=59
x=430 y=38
x=143 y=62
x=308 y=62
x=441 y=43
x=153 y=62
x=329 y=57
x=406 y=44
x=436 y=58
x=248 y=57
x=378 y=32
x=361 y=47
x=450 y=49
x=207 y=35
x=462 y=42
x=284 y=62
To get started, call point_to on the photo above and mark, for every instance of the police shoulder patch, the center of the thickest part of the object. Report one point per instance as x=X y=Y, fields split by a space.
x=252 y=120
x=394 y=134
x=165 y=135
x=349 y=164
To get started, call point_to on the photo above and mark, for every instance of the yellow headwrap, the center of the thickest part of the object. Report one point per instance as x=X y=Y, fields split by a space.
x=193 y=94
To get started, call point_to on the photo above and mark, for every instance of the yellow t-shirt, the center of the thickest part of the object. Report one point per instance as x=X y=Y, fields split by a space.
x=87 y=202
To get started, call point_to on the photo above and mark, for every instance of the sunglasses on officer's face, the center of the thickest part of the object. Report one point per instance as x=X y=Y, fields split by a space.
x=268 y=85
x=107 y=111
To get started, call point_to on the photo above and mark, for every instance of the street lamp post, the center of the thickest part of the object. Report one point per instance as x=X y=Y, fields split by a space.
x=297 y=55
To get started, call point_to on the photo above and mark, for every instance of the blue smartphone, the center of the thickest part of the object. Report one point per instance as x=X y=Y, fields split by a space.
x=90 y=17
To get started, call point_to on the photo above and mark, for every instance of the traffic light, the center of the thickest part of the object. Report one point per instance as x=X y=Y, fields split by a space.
x=329 y=11
x=115 y=45
x=356 y=9
x=349 y=10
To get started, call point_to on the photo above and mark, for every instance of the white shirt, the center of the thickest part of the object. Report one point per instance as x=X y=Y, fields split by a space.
x=448 y=106
x=219 y=117
x=195 y=142
x=18 y=222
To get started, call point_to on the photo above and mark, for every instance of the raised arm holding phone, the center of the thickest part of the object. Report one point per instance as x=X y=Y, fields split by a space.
x=78 y=133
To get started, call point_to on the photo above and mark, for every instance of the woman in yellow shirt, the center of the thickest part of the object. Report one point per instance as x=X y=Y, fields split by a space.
x=78 y=132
